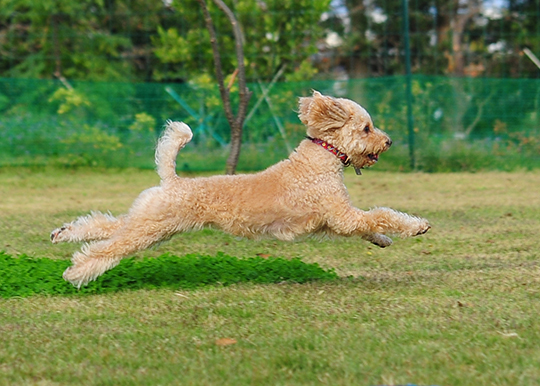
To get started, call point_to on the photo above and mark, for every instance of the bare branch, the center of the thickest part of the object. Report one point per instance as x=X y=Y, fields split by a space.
x=64 y=81
x=235 y=122
x=217 y=63
x=479 y=113
x=243 y=91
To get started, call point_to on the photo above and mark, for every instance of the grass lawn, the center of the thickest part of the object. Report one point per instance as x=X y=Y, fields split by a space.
x=458 y=306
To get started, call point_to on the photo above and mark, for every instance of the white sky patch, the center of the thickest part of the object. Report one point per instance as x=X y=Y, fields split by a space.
x=333 y=40
x=370 y=35
x=432 y=38
x=493 y=13
x=494 y=9
x=272 y=37
x=378 y=16
x=481 y=21
x=338 y=10
x=338 y=7
x=496 y=47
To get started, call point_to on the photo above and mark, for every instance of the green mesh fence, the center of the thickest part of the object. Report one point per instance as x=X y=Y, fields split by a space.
x=459 y=123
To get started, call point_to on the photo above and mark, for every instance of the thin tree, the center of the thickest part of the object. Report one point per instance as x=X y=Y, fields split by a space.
x=236 y=122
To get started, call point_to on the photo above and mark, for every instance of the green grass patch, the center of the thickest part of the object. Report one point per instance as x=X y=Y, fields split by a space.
x=457 y=306
x=26 y=276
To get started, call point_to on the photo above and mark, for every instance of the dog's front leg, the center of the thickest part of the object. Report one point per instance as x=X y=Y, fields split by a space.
x=374 y=224
x=390 y=221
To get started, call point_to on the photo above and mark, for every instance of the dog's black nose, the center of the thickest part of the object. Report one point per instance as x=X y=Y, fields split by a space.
x=389 y=142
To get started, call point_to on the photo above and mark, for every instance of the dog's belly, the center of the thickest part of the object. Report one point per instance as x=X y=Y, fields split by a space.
x=281 y=227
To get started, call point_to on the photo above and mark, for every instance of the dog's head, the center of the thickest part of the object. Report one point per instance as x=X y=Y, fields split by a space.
x=346 y=125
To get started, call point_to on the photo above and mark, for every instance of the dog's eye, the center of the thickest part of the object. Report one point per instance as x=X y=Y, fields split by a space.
x=366 y=129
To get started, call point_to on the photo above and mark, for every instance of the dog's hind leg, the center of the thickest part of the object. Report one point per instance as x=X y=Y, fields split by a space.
x=97 y=257
x=95 y=226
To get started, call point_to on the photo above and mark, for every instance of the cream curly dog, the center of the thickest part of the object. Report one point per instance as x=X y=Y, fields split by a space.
x=301 y=195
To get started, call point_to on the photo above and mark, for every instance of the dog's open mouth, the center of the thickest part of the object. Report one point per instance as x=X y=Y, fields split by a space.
x=373 y=157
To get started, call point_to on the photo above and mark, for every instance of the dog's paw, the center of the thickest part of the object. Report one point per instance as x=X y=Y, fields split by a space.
x=81 y=272
x=78 y=276
x=383 y=241
x=74 y=276
x=86 y=269
x=59 y=235
x=379 y=240
x=424 y=227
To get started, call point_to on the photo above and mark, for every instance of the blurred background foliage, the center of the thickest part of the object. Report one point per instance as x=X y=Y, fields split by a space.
x=91 y=83
x=166 y=41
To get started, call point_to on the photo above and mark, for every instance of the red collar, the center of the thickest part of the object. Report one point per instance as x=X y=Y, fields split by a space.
x=332 y=149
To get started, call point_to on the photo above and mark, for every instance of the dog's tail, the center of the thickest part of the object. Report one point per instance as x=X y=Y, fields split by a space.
x=174 y=138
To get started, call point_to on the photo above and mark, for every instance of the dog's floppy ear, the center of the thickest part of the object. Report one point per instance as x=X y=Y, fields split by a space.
x=322 y=112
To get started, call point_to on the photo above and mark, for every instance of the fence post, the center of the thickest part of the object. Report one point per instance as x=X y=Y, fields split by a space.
x=408 y=77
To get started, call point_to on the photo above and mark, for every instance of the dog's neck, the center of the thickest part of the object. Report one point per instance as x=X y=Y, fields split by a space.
x=332 y=149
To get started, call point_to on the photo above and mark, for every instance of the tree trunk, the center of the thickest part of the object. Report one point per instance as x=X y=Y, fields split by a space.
x=234 y=152
x=458 y=24
x=236 y=123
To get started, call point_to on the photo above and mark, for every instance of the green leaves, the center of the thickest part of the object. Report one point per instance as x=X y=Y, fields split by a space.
x=276 y=32
x=26 y=276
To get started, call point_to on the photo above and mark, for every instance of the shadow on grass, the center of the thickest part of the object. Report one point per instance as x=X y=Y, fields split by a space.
x=25 y=276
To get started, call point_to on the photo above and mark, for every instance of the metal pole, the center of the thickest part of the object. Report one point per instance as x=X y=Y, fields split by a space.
x=408 y=77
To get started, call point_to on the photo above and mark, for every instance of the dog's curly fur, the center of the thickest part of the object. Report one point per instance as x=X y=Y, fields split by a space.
x=303 y=194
